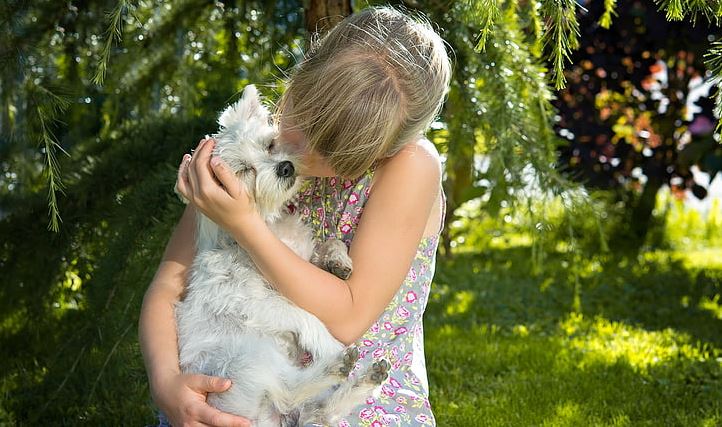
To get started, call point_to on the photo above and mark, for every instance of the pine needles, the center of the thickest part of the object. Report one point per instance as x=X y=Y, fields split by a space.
x=112 y=34
x=713 y=60
x=561 y=36
x=48 y=106
x=609 y=11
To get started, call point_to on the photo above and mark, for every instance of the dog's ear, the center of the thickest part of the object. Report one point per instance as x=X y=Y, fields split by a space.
x=247 y=108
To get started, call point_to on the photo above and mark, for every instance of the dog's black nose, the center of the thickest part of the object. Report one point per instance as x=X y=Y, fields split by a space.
x=285 y=169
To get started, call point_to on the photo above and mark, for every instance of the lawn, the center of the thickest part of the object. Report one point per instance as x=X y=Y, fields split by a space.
x=505 y=348
x=617 y=340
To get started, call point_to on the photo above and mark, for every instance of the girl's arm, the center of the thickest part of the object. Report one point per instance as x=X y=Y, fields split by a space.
x=181 y=397
x=383 y=248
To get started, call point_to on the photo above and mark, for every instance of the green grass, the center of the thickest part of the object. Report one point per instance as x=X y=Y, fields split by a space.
x=505 y=348
x=614 y=340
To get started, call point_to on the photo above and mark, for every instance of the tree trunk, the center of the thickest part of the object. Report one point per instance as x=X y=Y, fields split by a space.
x=642 y=214
x=322 y=15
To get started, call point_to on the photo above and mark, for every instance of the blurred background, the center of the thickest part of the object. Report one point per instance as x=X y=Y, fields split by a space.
x=579 y=276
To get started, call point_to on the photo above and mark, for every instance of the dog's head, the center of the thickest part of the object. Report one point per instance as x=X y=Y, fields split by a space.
x=246 y=143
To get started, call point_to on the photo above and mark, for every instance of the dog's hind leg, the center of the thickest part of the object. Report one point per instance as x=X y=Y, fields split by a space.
x=319 y=378
x=350 y=394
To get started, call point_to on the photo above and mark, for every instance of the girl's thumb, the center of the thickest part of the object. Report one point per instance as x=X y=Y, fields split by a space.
x=212 y=384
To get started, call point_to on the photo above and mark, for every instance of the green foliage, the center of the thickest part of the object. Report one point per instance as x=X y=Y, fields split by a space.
x=186 y=58
x=486 y=12
x=683 y=228
x=562 y=36
x=609 y=11
x=713 y=61
x=677 y=10
x=46 y=112
x=496 y=134
x=68 y=330
x=112 y=34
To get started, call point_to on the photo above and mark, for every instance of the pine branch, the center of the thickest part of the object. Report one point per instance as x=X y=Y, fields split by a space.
x=676 y=10
x=113 y=33
x=46 y=113
x=609 y=11
x=537 y=28
x=562 y=35
x=673 y=8
x=486 y=13
x=713 y=61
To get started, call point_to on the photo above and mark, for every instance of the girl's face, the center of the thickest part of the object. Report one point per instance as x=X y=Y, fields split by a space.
x=293 y=139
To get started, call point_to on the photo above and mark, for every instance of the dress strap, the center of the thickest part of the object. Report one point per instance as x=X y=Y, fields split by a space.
x=443 y=210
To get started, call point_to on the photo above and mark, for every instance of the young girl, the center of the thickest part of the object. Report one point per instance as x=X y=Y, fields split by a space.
x=357 y=108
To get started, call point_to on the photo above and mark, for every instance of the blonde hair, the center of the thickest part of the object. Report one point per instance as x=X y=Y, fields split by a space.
x=366 y=88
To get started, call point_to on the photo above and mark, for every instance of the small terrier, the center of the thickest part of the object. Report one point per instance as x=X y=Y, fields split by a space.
x=233 y=324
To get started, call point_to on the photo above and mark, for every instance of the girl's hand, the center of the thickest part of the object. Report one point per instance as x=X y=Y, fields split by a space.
x=183 y=400
x=209 y=184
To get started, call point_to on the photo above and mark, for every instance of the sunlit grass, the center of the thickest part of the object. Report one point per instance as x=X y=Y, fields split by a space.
x=607 y=342
x=637 y=342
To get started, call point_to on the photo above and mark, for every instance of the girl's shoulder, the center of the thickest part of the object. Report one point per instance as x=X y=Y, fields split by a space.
x=417 y=158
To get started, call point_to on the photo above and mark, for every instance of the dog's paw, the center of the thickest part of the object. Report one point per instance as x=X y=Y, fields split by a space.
x=332 y=256
x=379 y=371
x=340 y=268
x=350 y=357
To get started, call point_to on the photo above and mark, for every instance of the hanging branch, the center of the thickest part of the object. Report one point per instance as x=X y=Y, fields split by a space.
x=113 y=33
x=562 y=34
x=47 y=111
x=486 y=13
x=713 y=61
x=605 y=21
x=676 y=10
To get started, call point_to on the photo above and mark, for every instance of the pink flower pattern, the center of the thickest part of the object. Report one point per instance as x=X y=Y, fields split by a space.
x=333 y=206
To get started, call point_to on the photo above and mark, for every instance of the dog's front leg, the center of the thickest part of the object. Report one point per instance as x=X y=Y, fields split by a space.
x=332 y=256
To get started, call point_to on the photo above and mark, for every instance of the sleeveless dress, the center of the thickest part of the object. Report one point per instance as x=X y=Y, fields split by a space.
x=332 y=206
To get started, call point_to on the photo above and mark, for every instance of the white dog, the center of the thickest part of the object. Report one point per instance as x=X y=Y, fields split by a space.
x=231 y=323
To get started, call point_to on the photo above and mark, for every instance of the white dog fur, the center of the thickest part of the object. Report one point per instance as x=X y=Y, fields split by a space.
x=232 y=324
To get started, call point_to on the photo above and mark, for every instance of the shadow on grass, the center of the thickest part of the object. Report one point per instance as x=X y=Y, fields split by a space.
x=506 y=348
x=69 y=302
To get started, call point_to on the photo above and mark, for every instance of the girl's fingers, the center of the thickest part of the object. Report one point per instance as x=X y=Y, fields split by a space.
x=182 y=181
x=193 y=166
x=225 y=176
x=208 y=384
x=202 y=167
x=214 y=417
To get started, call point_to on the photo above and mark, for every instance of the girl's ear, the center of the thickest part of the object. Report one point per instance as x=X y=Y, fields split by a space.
x=249 y=107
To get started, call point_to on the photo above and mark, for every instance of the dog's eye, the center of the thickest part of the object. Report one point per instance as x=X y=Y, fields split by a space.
x=270 y=146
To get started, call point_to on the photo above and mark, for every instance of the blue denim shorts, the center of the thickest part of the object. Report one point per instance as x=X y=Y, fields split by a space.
x=162 y=420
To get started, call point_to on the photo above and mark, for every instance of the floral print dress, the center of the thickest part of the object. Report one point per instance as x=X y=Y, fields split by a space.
x=333 y=207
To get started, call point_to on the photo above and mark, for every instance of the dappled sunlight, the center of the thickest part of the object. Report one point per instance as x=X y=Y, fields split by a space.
x=13 y=322
x=511 y=240
x=606 y=342
x=712 y=305
x=461 y=303
x=707 y=258
x=565 y=413
x=67 y=294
